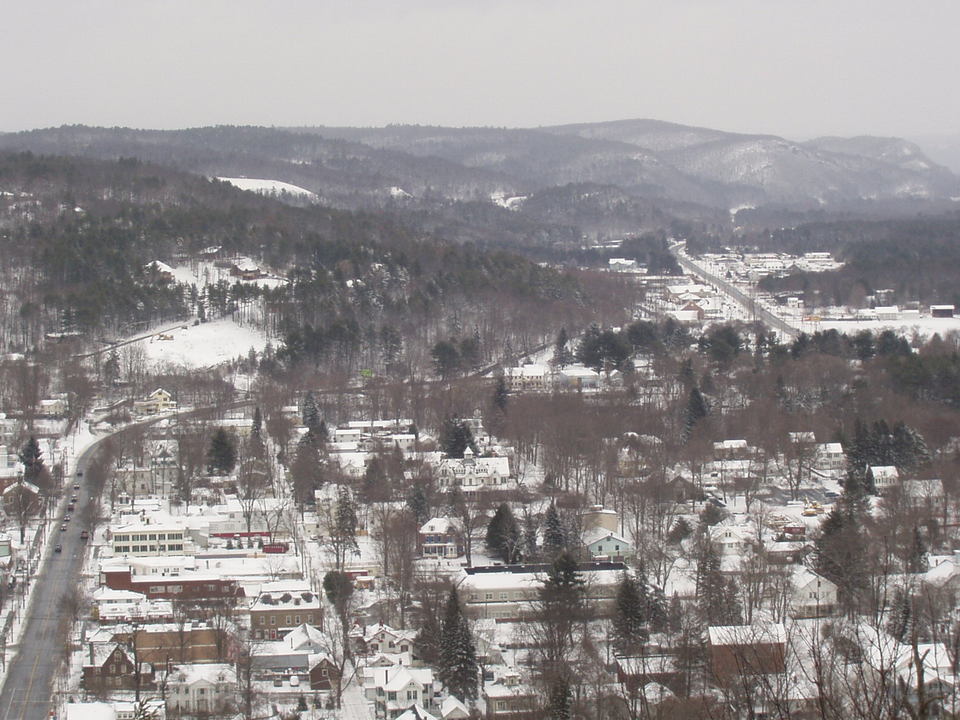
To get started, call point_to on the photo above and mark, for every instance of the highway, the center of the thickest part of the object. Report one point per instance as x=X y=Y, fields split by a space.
x=735 y=294
x=28 y=686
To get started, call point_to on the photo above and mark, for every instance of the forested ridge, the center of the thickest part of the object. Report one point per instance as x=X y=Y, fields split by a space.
x=78 y=235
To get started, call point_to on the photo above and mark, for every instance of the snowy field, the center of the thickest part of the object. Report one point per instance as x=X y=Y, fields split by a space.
x=205 y=273
x=268 y=187
x=204 y=345
x=924 y=328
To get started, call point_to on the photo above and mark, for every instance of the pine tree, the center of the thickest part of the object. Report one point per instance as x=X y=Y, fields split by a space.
x=456 y=437
x=32 y=458
x=311 y=414
x=695 y=411
x=417 y=502
x=343 y=533
x=503 y=535
x=305 y=472
x=918 y=561
x=531 y=550
x=559 y=701
x=562 y=356
x=458 y=668
x=256 y=429
x=222 y=455
x=630 y=616
x=554 y=537
x=712 y=591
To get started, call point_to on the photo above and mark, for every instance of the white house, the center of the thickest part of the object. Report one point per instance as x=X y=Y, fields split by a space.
x=394 y=689
x=440 y=538
x=602 y=543
x=812 y=595
x=473 y=473
x=200 y=688
x=158 y=401
x=884 y=476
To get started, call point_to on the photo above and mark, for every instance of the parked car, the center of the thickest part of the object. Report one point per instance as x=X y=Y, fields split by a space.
x=84 y=535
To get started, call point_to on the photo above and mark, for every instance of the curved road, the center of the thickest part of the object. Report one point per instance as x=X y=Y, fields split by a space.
x=28 y=686
x=735 y=294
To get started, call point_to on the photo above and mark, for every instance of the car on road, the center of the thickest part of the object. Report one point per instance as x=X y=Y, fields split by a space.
x=76 y=487
x=66 y=518
x=58 y=548
x=84 y=535
x=79 y=473
x=63 y=528
x=73 y=499
x=70 y=507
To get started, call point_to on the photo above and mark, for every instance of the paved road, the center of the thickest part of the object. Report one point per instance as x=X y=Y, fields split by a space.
x=27 y=689
x=737 y=295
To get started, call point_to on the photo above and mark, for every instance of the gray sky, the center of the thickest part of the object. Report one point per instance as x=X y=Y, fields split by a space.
x=796 y=68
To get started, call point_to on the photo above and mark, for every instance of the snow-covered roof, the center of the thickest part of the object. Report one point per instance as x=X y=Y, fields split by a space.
x=416 y=712
x=884 y=472
x=440 y=525
x=774 y=633
x=213 y=673
x=597 y=534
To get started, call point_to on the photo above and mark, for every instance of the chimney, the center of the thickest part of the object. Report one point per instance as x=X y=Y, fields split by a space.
x=91 y=652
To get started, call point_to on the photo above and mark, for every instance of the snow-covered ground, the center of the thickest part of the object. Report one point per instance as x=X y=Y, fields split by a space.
x=268 y=187
x=203 y=345
x=924 y=328
x=204 y=273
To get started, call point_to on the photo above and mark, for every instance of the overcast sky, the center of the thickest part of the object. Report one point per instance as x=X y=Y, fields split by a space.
x=796 y=68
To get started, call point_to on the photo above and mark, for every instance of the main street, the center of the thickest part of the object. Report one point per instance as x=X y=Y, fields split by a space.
x=28 y=686
x=734 y=293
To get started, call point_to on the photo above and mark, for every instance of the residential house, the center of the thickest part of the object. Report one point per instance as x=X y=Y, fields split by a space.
x=602 y=543
x=159 y=401
x=578 y=377
x=812 y=596
x=474 y=474
x=323 y=672
x=884 y=476
x=509 y=699
x=738 y=650
x=282 y=606
x=529 y=378
x=635 y=672
x=193 y=689
x=440 y=537
x=506 y=591
x=110 y=667
x=148 y=709
x=180 y=642
x=396 y=688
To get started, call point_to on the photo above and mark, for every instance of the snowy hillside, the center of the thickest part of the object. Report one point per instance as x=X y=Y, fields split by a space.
x=268 y=187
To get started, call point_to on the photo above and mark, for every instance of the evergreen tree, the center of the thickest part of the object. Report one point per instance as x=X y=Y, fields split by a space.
x=417 y=502
x=310 y=414
x=32 y=458
x=712 y=590
x=554 y=537
x=559 y=701
x=111 y=368
x=562 y=356
x=841 y=547
x=306 y=472
x=503 y=535
x=458 y=668
x=531 y=551
x=256 y=429
x=222 y=455
x=900 y=622
x=630 y=628
x=456 y=437
x=695 y=411
x=918 y=561
x=343 y=533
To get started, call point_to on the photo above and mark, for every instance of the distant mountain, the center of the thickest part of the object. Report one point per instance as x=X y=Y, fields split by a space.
x=666 y=171
x=760 y=169
x=945 y=149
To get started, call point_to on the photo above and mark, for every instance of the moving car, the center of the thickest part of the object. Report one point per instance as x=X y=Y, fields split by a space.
x=63 y=528
x=84 y=535
x=58 y=548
